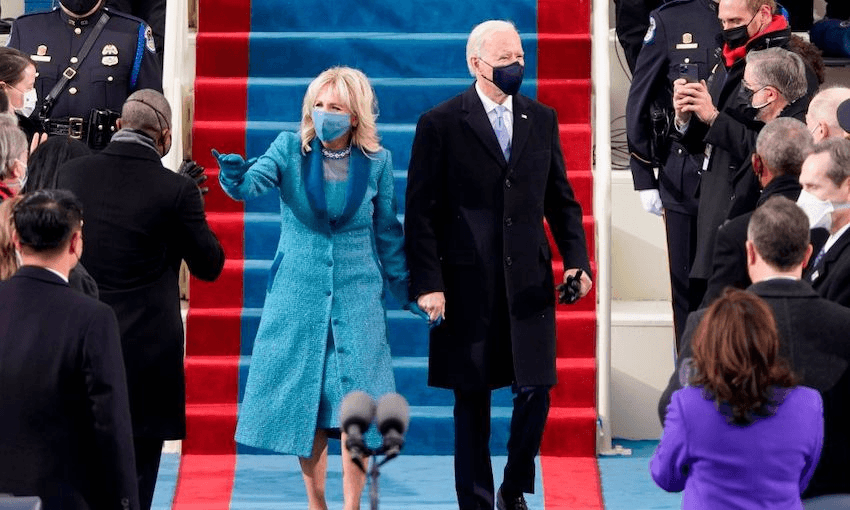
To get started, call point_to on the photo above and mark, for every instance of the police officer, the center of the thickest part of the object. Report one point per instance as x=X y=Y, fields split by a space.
x=121 y=59
x=681 y=41
x=632 y=20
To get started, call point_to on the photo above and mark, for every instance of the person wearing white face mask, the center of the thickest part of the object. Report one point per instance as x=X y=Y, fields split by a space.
x=825 y=198
x=13 y=156
x=17 y=79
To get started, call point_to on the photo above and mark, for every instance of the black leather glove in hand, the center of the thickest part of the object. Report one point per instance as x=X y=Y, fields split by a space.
x=194 y=171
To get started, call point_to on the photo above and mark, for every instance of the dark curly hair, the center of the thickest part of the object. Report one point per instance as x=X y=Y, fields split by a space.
x=736 y=356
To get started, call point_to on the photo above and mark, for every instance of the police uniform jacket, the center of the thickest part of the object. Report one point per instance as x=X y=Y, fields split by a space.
x=141 y=221
x=680 y=32
x=474 y=230
x=122 y=60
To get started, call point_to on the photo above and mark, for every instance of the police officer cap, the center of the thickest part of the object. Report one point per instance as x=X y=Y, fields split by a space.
x=79 y=7
x=843 y=115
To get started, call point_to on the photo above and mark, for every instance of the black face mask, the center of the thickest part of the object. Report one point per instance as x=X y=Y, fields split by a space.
x=79 y=7
x=508 y=78
x=738 y=36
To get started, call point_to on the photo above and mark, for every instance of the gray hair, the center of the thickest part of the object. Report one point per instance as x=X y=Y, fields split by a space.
x=779 y=230
x=479 y=36
x=146 y=110
x=783 y=144
x=13 y=143
x=824 y=106
x=839 y=156
x=782 y=69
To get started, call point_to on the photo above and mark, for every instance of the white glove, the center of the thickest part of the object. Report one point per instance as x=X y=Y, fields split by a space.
x=651 y=200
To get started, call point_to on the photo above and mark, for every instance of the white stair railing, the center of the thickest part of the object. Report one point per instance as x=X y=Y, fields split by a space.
x=601 y=81
x=176 y=35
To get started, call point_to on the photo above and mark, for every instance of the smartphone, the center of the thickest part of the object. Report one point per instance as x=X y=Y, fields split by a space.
x=690 y=72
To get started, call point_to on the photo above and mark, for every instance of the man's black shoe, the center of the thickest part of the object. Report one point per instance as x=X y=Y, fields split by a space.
x=517 y=503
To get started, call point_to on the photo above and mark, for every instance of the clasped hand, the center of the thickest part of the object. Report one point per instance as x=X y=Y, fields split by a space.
x=192 y=170
x=692 y=98
x=434 y=305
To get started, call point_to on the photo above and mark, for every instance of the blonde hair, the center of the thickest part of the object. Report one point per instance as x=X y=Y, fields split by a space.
x=357 y=95
x=8 y=260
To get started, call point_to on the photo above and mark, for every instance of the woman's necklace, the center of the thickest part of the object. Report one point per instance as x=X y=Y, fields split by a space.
x=340 y=154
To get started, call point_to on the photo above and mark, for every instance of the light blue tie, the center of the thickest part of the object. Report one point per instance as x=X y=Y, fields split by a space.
x=819 y=257
x=502 y=132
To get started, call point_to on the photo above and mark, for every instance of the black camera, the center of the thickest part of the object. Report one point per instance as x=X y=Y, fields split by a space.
x=569 y=291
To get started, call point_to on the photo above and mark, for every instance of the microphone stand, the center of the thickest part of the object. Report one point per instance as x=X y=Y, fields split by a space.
x=375 y=470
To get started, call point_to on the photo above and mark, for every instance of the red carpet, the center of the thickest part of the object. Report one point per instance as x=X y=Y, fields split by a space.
x=215 y=323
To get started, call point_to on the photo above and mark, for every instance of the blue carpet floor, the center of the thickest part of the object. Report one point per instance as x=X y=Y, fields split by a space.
x=417 y=481
x=274 y=481
x=626 y=483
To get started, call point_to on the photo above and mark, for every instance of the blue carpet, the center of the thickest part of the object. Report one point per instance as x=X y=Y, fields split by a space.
x=626 y=483
x=274 y=481
x=166 y=482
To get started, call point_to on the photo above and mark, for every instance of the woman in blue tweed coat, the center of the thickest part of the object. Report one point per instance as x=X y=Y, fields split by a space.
x=323 y=330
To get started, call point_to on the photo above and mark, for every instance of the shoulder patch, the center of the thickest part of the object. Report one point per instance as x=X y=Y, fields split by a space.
x=149 y=44
x=649 y=38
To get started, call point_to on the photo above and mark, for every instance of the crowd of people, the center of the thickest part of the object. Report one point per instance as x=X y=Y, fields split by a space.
x=729 y=116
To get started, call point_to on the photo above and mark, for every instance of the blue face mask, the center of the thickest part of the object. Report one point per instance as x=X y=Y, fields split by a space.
x=329 y=125
x=508 y=78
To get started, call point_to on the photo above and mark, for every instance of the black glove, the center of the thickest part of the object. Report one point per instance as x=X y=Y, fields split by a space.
x=569 y=292
x=189 y=168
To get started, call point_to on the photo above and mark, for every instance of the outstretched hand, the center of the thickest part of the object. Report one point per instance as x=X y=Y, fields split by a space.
x=234 y=166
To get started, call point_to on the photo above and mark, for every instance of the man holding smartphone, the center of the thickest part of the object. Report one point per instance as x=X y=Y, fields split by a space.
x=720 y=119
x=680 y=42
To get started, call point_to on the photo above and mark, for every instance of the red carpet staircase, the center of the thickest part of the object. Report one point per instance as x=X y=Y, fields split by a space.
x=253 y=65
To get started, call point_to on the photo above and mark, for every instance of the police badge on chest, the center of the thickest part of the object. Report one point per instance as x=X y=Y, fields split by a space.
x=109 y=55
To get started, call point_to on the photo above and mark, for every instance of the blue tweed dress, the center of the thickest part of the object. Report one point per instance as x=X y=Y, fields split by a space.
x=323 y=330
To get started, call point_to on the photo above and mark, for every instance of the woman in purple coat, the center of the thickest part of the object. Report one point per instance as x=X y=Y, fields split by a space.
x=743 y=435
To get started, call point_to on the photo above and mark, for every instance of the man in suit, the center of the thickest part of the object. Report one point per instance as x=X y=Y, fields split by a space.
x=141 y=221
x=781 y=148
x=813 y=331
x=485 y=169
x=64 y=415
x=825 y=179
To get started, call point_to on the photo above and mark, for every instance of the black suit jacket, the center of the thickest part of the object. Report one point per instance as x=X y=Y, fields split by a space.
x=474 y=230
x=814 y=339
x=730 y=253
x=141 y=220
x=65 y=432
x=831 y=276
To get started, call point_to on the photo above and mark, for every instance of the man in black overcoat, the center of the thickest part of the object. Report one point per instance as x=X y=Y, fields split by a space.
x=65 y=431
x=781 y=148
x=485 y=169
x=141 y=221
x=812 y=330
